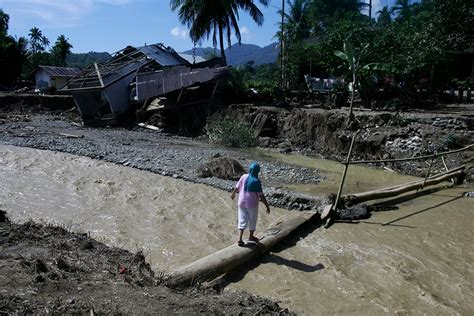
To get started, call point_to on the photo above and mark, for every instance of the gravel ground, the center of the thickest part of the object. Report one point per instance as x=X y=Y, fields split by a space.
x=168 y=155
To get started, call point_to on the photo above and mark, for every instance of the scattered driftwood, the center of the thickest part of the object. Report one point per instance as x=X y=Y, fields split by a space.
x=222 y=168
x=153 y=128
x=71 y=135
x=228 y=258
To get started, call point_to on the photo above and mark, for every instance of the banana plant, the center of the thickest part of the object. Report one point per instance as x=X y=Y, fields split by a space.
x=353 y=60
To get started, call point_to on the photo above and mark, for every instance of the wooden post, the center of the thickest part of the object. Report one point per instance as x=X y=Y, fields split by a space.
x=446 y=167
x=427 y=173
x=347 y=162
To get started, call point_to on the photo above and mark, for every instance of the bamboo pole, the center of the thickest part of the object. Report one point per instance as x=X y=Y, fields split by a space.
x=400 y=189
x=413 y=158
x=446 y=167
x=428 y=173
x=331 y=211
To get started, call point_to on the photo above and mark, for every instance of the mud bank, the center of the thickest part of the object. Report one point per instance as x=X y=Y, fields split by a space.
x=382 y=135
x=48 y=270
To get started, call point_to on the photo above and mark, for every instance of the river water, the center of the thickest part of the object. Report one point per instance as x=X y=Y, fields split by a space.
x=422 y=263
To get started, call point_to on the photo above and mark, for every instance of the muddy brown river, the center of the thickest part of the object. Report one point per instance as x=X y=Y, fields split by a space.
x=422 y=263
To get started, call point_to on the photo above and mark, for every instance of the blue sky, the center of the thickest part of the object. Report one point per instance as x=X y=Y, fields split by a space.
x=109 y=25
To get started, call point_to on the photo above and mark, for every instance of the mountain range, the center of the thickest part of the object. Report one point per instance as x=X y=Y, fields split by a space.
x=240 y=54
x=237 y=54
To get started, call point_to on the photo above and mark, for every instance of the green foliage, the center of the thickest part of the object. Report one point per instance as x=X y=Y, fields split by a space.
x=84 y=60
x=219 y=18
x=421 y=45
x=60 y=51
x=451 y=141
x=38 y=41
x=229 y=132
x=13 y=53
x=263 y=78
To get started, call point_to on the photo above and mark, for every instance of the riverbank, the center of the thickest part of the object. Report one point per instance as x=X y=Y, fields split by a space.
x=164 y=154
x=49 y=270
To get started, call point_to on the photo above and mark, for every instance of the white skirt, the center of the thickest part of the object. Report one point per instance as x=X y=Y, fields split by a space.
x=247 y=218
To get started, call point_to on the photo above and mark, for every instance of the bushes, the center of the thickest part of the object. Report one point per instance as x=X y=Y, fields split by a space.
x=229 y=132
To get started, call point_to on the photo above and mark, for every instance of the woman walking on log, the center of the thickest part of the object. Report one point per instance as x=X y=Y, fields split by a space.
x=250 y=192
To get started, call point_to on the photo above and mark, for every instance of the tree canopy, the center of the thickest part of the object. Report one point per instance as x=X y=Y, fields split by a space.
x=215 y=18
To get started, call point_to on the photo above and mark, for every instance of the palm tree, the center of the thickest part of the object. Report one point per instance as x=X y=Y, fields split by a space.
x=403 y=8
x=326 y=10
x=216 y=17
x=4 y=19
x=296 y=19
x=38 y=42
x=384 y=16
x=61 y=49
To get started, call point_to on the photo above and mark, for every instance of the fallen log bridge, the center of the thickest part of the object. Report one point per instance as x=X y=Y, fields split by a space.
x=229 y=258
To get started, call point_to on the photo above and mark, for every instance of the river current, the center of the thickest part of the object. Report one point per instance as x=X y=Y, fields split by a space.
x=422 y=263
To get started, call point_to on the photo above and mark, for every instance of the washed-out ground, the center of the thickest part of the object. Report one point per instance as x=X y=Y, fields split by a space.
x=49 y=270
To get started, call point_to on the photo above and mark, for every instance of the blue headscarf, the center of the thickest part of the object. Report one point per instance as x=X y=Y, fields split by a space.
x=253 y=183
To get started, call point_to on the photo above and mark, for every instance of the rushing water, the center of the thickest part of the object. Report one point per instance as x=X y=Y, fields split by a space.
x=420 y=264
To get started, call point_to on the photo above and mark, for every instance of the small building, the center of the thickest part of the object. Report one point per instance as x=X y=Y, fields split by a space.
x=108 y=88
x=53 y=77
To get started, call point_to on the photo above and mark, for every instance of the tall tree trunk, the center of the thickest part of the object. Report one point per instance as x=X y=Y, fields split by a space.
x=221 y=42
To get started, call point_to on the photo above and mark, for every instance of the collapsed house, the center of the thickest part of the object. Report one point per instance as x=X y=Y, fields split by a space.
x=116 y=87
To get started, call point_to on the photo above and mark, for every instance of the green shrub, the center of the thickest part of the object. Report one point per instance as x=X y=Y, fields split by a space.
x=229 y=132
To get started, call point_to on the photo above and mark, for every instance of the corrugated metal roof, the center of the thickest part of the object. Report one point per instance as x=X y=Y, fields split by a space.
x=165 y=56
x=192 y=59
x=60 y=71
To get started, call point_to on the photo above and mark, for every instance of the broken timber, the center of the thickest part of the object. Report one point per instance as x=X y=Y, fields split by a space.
x=229 y=258
x=403 y=188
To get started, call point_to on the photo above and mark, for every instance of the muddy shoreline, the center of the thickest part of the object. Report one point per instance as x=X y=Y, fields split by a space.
x=49 y=270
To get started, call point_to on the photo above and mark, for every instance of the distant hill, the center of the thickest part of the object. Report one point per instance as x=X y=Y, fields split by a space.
x=241 y=54
x=84 y=60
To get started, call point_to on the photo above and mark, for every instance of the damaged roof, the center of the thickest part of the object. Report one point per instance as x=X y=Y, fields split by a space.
x=124 y=63
x=59 y=71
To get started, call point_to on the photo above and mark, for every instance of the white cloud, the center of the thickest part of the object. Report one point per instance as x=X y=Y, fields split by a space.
x=179 y=32
x=56 y=13
x=376 y=6
x=244 y=30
